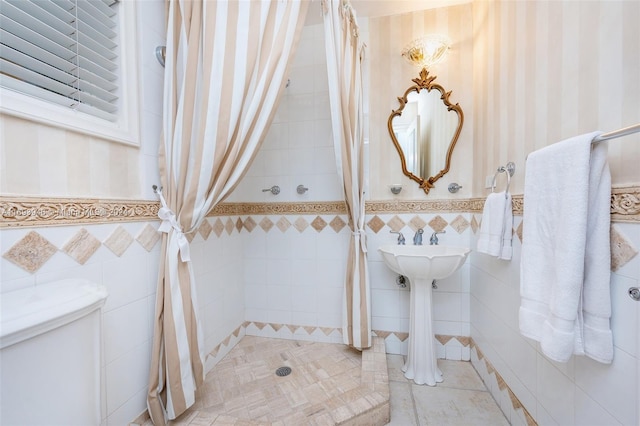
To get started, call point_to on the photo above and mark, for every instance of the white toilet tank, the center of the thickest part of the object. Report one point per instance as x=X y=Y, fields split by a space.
x=50 y=352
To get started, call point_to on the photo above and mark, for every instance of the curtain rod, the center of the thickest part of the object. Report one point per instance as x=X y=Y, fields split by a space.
x=617 y=133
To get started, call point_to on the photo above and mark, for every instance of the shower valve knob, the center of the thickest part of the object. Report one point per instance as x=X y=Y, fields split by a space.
x=275 y=190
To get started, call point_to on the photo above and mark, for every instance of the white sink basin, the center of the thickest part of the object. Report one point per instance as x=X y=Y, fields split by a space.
x=424 y=262
x=422 y=265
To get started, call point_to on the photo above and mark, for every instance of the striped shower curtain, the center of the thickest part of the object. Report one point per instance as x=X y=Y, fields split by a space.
x=344 y=66
x=225 y=71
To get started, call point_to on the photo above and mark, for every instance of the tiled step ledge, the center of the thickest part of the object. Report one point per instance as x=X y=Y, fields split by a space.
x=42 y=211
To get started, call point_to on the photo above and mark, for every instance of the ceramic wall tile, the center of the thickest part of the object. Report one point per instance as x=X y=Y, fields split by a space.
x=614 y=386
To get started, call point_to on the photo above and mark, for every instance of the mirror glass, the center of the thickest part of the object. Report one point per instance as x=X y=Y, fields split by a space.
x=424 y=130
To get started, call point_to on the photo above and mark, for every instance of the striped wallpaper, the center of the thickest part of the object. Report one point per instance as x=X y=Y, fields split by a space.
x=37 y=159
x=526 y=74
x=545 y=71
x=391 y=75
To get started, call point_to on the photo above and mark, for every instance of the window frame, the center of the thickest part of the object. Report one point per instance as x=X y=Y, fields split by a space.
x=126 y=129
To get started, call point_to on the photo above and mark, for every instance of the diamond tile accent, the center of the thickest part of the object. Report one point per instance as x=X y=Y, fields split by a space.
x=375 y=224
x=464 y=340
x=301 y=224
x=400 y=335
x=218 y=227
x=82 y=246
x=396 y=224
x=318 y=224
x=148 y=237
x=283 y=224
x=460 y=224
x=31 y=252
x=383 y=334
x=228 y=226
x=443 y=338
x=239 y=225
x=190 y=236
x=417 y=223
x=292 y=328
x=266 y=224
x=474 y=224
x=337 y=224
x=205 y=229
x=622 y=251
x=249 y=224
x=519 y=231
x=327 y=330
x=438 y=223
x=119 y=241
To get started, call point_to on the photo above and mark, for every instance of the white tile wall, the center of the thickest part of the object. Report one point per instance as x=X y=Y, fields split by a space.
x=579 y=392
x=298 y=148
x=126 y=316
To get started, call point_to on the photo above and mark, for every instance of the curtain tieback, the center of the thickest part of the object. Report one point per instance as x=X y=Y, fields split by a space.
x=170 y=222
x=363 y=238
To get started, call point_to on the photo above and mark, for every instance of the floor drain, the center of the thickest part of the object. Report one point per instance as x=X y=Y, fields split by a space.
x=283 y=371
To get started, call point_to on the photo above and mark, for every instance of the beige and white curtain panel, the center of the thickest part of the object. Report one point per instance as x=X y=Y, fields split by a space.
x=344 y=67
x=225 y=70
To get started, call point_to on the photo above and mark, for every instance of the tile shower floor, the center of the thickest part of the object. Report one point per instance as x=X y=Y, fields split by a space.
x=326 y=384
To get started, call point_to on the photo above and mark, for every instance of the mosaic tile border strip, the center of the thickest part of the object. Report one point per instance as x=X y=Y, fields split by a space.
x=428 y=206
x=317 y=207
x=502 y=385
x=625 y=204
x=39 y=212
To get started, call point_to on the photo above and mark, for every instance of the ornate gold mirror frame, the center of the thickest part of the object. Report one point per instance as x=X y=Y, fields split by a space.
x=425 y=81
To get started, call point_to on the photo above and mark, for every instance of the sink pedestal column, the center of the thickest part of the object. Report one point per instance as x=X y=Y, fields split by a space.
x=421 y=365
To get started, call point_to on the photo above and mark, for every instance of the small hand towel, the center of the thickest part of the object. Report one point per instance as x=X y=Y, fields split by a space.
x=496 y=227
x=565 y=263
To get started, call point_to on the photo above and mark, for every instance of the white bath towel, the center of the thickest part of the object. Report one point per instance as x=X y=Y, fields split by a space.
x=496 y=226
x=565 y=264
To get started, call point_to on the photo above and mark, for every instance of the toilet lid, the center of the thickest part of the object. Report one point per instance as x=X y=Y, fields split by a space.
x=35 y=310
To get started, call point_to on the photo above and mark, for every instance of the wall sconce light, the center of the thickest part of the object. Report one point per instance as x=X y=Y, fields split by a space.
x=426 y=51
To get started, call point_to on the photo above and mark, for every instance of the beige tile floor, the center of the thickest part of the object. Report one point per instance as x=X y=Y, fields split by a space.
x=329 y=384
x=327 y=388
x=460 y=400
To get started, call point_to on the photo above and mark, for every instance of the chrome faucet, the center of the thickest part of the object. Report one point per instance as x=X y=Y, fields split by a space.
x=400 y=237
x=434 y=237
x=417 y=239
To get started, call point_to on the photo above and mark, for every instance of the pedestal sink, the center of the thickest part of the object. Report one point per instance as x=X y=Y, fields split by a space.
x=422 y=265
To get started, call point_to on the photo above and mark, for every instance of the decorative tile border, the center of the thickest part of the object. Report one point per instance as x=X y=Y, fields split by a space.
x=427 y=206
x=33 y=250
x=318 y=207
x=502 y=385
x=40 y=212
x=625 y=204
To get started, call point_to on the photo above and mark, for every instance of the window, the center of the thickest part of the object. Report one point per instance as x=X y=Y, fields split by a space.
x=70 y=63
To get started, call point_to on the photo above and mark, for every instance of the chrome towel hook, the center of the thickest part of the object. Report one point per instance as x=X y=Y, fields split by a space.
x=509 y=169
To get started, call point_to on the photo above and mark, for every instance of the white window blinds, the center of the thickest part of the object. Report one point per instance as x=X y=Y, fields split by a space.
x=62 y=51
